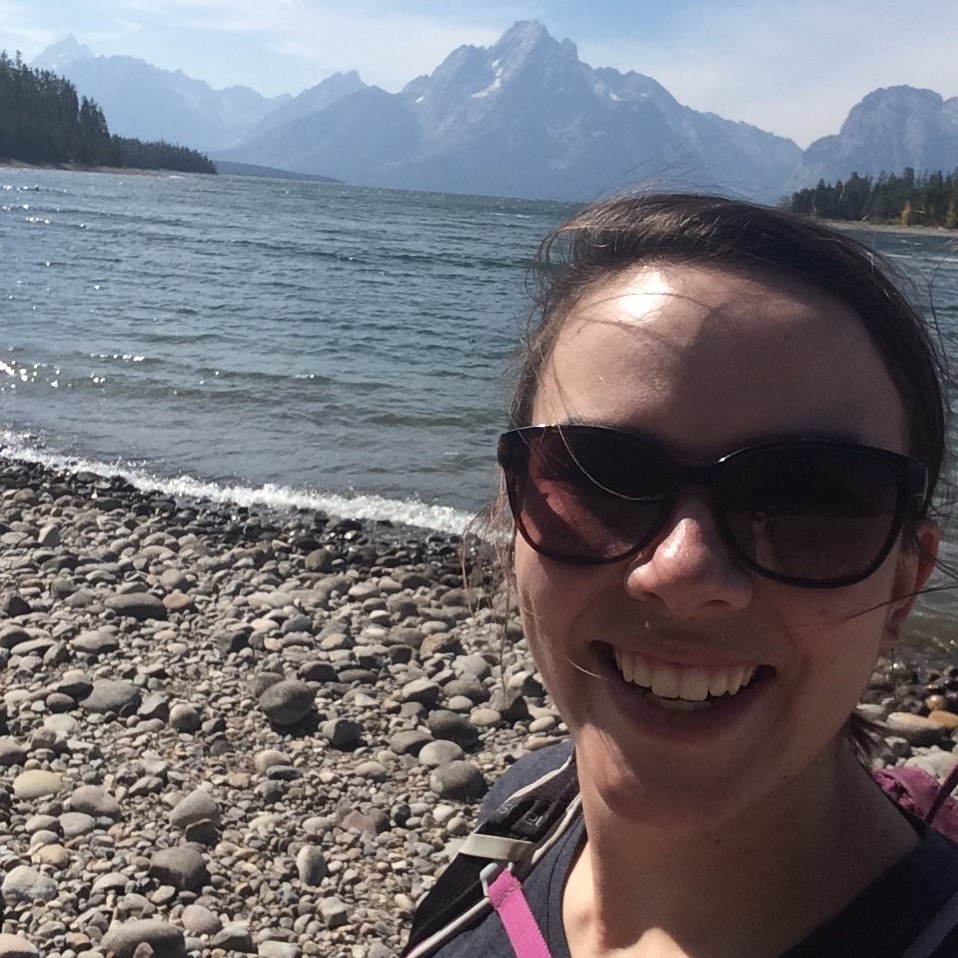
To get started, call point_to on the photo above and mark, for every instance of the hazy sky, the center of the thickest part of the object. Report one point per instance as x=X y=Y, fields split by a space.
x=794 y=67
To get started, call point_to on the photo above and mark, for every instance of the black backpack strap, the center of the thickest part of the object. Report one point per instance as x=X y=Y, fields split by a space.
x=519 y=831
x=935 y=932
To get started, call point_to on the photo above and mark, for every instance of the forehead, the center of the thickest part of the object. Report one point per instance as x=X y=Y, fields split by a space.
x=707 y=358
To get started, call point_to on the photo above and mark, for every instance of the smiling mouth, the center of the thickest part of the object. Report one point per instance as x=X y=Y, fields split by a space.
x=683 y=687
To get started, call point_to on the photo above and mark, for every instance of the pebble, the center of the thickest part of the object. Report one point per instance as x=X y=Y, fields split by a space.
x=36 y=783
x=26 y=884
x=198 y=806
x=12 y=752
x=311 y=865
x=199 y=920
x=182 y=867
x=13 y=946
x=122 y=941
x=96 y=801
x=185 y=718
x=915 y=729
x=458 y=780
x=112 y=695
x=435 y=754
x=287 y=702
x=138 y=605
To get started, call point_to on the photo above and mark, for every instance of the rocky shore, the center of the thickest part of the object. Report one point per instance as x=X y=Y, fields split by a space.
x=229 y=733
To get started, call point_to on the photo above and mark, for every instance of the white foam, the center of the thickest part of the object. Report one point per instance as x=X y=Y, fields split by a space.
x=409 y=512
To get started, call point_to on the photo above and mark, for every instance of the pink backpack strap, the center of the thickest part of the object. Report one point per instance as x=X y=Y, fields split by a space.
x=506 y=896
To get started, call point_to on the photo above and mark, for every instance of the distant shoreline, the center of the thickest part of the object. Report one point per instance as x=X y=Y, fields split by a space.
x=78 y=168
x=889 y=228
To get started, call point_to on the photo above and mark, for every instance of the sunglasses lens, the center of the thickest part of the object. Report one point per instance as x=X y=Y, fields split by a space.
x=581 y=495
x=812 y=514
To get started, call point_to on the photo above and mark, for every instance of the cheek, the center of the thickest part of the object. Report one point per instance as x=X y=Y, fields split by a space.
x=551 y=597
x=836 y=638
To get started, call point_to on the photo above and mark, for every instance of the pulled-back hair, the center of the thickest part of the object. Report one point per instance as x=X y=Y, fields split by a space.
x=625 y=232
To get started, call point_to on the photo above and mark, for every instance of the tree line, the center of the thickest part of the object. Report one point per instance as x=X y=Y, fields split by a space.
x=43 y=120
x=926 y=199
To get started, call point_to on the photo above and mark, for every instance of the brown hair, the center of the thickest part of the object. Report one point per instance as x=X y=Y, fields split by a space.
x=621 y=233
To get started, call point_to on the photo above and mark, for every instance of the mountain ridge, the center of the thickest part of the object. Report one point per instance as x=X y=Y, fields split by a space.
x=524 y=117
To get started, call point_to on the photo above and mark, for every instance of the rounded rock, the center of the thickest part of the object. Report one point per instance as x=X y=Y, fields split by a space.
x=96 y=801
x=198 y=806
x=199 y=920
x=112 y=695
x=165 y=941
x=11 y=752
x=13 y=946
x=342 y=733
x=458 y=780
x=137 y=605
x=26 y=884
x=439 y=753
x=185 y=718
x=183 y=868
x=36 y=783
x=311 y=865
x=287 y=702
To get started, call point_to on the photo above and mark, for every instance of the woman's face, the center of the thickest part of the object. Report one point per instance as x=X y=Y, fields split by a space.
x=707 y=361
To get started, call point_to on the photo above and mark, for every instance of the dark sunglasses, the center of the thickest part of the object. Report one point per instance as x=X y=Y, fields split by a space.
x=818 y=514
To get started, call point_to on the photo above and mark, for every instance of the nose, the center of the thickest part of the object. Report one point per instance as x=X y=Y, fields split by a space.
x=689 y=568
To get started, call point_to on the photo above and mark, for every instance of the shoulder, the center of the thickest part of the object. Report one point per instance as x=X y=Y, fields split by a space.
x=527 y=771
x=914 y=899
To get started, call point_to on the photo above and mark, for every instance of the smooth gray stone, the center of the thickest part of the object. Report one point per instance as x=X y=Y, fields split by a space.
x=199 y=920
x=458 y=780
x=182 y=867
x=435 y=754
x=311 y=865
x=138 y=605
x=287 y=702
x=198 y=806
x=112 y=695
x=96 y=801
x=166 y=941
x=26 y=884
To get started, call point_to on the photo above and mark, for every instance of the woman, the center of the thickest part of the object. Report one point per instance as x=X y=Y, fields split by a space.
x=726 y=435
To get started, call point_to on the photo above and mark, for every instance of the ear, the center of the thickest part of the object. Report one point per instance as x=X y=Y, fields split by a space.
x=915 y=564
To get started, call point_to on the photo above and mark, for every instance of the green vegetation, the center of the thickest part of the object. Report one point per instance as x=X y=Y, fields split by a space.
x=42 y=120
x=908 y=200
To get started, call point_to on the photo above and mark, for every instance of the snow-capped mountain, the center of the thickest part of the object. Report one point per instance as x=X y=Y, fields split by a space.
x=526 y=117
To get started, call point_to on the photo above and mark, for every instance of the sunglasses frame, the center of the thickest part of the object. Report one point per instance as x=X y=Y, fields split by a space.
x=911 y=476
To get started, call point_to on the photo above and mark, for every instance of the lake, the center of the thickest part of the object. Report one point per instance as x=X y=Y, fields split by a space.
x=290 y=343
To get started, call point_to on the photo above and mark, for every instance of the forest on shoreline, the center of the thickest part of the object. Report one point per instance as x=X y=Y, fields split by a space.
x=44 y=122
x=909 y=199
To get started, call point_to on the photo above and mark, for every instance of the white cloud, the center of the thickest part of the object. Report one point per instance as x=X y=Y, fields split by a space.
x=793 y=68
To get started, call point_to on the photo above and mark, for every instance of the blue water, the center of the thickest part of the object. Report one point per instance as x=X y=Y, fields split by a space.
x=335 y=341
x=285 y=342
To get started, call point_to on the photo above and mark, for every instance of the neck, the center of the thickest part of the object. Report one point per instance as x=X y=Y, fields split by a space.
x=800 y=854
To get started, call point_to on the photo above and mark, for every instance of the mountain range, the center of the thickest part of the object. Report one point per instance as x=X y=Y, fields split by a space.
x=524 y=117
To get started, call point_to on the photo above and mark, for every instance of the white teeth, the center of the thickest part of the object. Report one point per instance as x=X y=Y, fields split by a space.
x=694 y=685
x=665 y=682
x=679 y=687
x=641 y=672
x=718 y=683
